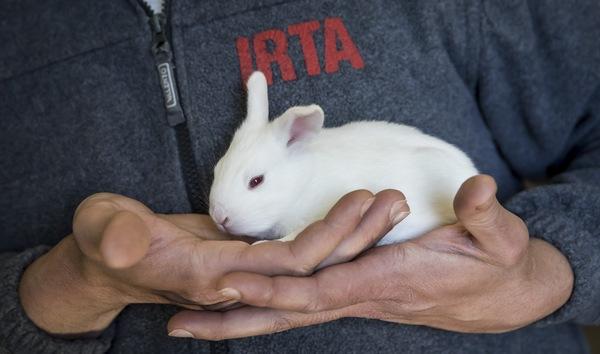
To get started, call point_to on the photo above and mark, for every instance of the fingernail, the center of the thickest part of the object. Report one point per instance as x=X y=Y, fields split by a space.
x=366 y=205
x=230 y=293
x=399 y=211
x=180 y=333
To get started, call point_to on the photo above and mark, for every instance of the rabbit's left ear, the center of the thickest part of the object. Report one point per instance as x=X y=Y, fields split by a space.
x=299 y=124
x=258 y=100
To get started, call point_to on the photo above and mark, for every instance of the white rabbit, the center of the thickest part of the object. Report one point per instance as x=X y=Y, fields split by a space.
x=278 y=177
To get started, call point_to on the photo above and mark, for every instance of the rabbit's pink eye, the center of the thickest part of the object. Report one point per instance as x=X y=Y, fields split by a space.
x=255 y=181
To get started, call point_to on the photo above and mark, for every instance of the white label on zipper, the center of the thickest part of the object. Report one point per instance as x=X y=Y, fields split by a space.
x=166 y=81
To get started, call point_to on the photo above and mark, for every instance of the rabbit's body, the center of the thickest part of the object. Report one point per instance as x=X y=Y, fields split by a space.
x=376 y=155
x=278 y=177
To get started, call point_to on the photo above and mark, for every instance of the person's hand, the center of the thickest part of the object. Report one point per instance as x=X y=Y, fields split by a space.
x=482 y=274
x=121 y=253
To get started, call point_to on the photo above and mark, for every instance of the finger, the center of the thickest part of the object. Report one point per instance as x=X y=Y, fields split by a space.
x=108 y=229
x=389 y=209
x=332 y=288
x=495 y=229
x=125 y=240
x=89 y=222
x=312 y=246
x=242 y=322
x=197 y=224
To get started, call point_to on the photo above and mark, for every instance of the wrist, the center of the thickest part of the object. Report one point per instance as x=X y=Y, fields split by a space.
x=65 y=295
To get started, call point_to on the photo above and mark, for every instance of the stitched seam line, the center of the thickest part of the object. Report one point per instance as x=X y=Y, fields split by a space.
x=67 y=58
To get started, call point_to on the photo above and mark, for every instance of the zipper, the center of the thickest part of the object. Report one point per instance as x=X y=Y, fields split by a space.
x=163 y=57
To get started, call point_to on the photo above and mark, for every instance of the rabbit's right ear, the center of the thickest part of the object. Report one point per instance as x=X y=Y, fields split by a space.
x=258 y=100
x=299 y=124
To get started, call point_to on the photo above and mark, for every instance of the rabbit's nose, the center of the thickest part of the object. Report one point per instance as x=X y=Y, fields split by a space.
x=218 y=215
x=221 y=218
x=223 y=221
x=223 y=225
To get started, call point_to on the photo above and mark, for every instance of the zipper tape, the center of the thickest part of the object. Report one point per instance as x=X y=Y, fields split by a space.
x=163 y=57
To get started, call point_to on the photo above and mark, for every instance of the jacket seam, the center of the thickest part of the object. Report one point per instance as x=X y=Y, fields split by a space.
x=67 y=58
x=195 y=22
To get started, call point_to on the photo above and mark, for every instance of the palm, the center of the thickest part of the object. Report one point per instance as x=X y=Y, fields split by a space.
x=179 y=246
x=181 y=259
x=483 y=274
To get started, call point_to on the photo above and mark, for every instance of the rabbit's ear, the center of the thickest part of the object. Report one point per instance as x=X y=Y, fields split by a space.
x=258 y=100
x=299 y=124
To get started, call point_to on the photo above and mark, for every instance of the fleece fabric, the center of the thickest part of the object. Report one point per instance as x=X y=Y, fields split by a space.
x=515 y=84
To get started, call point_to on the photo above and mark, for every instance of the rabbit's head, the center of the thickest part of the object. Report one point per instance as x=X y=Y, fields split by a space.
x=263 y=174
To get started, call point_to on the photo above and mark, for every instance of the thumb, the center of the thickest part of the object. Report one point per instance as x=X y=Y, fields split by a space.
x=495 y=229
x=109 y=230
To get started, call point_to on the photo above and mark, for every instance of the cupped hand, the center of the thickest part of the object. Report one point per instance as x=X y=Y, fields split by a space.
x=482 y=274
x=121 y=253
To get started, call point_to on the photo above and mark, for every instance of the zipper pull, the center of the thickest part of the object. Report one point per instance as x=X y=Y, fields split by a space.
x=164 y=64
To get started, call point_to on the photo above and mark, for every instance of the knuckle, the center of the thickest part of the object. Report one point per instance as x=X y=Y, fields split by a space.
x=267 y=296
x=195 y=295
x=300 y=267
x=319 y=299
x=302 y=270
x=281 y=324
x=188 y=296
x=330 y=225
x=347 y=253
x=318 y=227
x=311 y=306
x=334 y=228
x=197 y=298
x=299 y=262
x=486 y=216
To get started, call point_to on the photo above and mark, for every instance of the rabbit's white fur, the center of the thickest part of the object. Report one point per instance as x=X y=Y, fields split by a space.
x=307 y=169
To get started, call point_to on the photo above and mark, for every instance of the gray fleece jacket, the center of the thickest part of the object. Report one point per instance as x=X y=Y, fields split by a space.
x=515 y=84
